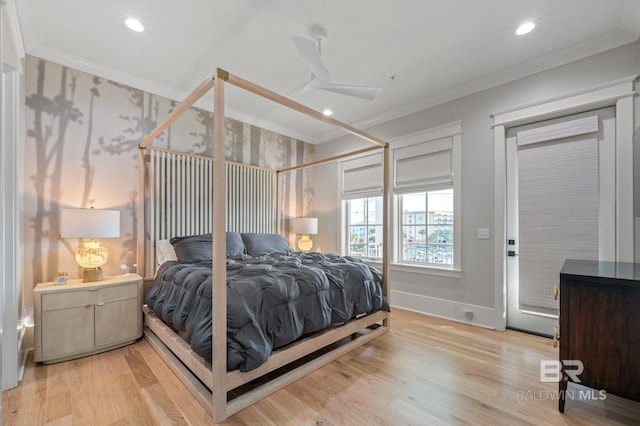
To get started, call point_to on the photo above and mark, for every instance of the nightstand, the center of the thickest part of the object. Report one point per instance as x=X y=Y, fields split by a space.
x=78 y=319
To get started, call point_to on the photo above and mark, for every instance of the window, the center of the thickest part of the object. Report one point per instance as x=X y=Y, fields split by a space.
x=361 y=192
x=364 y=227
x=426 y=225
x=426 y=187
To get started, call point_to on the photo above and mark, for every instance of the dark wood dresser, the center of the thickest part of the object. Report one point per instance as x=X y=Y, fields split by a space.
x=600 y=326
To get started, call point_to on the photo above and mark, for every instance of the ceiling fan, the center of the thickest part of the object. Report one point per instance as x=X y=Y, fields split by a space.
x=311 y=49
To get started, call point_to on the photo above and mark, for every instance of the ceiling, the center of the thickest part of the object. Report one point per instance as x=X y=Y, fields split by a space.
x=421 y=52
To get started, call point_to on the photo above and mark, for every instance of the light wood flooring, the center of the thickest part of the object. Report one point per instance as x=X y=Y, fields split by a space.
x=426 y=371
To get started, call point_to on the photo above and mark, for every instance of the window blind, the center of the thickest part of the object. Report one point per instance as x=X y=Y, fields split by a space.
x=362 y=177
x=560 y=130
x=423 y=167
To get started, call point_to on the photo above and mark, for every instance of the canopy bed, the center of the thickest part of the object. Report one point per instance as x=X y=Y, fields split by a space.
x=233 y=240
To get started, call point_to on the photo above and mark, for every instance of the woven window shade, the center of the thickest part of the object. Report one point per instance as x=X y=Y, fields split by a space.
x=558 y=196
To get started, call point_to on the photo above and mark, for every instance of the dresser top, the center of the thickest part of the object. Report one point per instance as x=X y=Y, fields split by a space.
x=617 y=271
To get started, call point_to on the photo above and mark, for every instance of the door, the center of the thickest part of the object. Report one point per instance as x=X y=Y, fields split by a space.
x=117 y=321
x=560 y=205
x=67 y=331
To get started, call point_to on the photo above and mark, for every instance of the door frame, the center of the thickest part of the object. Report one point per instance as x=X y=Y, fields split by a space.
x=15 y=322
x=617 y=93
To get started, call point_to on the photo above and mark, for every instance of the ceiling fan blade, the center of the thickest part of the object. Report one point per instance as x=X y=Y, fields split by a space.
x=312 y=83
x=311 y=55
x=363 y=92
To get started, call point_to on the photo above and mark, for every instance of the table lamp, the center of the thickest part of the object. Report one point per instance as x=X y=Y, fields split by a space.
x=305 y=226
x=90 y=224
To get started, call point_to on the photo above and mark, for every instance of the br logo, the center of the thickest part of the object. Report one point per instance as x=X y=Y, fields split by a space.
x=551 y=370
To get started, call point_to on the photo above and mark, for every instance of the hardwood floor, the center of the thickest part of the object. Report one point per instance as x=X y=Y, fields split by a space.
x=425 y=371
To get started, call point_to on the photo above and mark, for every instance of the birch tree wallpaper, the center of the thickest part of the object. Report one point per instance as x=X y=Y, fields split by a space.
x=81 y=151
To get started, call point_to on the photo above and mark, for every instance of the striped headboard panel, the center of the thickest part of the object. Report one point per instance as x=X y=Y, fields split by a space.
x=179 y=198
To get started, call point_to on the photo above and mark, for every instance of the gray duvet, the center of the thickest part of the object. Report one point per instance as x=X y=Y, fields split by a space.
x=272 y=300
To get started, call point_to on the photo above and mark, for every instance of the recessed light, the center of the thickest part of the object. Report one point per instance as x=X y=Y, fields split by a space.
x=525 y=28
x=134 y=25
x=327 y=112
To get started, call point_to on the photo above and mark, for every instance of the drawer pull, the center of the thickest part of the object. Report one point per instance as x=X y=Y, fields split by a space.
x=556 y=291
x=94 y=289
x=556 y=337
x=101 y=304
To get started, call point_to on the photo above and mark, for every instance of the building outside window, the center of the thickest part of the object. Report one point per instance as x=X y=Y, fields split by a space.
x=362 y=212
x=426 y=227
x=364 y=227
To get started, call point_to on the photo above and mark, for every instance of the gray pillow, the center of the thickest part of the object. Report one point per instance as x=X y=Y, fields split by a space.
x=235 y=245
x=261 y=244
x=193 y=248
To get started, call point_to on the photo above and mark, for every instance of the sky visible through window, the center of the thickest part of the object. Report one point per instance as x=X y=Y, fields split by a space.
x=438 y=201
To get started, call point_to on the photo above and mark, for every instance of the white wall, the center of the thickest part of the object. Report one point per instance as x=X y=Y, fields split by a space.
x=446 y=296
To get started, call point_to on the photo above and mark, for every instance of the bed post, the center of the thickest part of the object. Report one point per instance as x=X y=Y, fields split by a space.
x=278 y=210
x=140 y=252
x=219 y=270
x=386 y=237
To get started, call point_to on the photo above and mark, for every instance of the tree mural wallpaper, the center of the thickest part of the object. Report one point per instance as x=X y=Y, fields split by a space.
x=82 y=137
x=50 y=121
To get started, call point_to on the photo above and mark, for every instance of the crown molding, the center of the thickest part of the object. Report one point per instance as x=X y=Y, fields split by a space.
x=10 y=14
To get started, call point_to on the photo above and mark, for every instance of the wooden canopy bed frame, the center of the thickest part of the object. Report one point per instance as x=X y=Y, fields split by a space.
x=212 y=384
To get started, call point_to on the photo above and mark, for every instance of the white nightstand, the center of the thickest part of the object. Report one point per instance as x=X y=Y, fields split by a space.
x=78 y=319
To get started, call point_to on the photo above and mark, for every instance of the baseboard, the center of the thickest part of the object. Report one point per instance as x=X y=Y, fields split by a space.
x=24 y=346
x=481 y=315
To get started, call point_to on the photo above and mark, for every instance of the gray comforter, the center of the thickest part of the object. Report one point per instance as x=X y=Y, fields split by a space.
x=272 y=300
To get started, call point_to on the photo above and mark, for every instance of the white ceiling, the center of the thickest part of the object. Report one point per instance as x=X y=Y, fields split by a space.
x=436 y=50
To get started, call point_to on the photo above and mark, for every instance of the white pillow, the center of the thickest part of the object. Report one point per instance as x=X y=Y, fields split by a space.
x=165 y=251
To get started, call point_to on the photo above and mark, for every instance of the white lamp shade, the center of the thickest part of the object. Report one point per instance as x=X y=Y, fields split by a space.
x=89 y=223
x=305 y=225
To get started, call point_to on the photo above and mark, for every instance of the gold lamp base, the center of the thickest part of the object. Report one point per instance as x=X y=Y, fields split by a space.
x=305 y=243
x=90 y=275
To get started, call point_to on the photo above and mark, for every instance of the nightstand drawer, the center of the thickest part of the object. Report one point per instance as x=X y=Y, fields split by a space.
x=118 y=292
x=68 y=299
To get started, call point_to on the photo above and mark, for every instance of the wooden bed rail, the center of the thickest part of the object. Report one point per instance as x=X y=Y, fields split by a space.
x=203 y=88
x=268 y=94
x=329 y=160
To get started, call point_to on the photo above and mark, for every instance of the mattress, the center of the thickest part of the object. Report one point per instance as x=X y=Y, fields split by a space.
x=272 y=300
